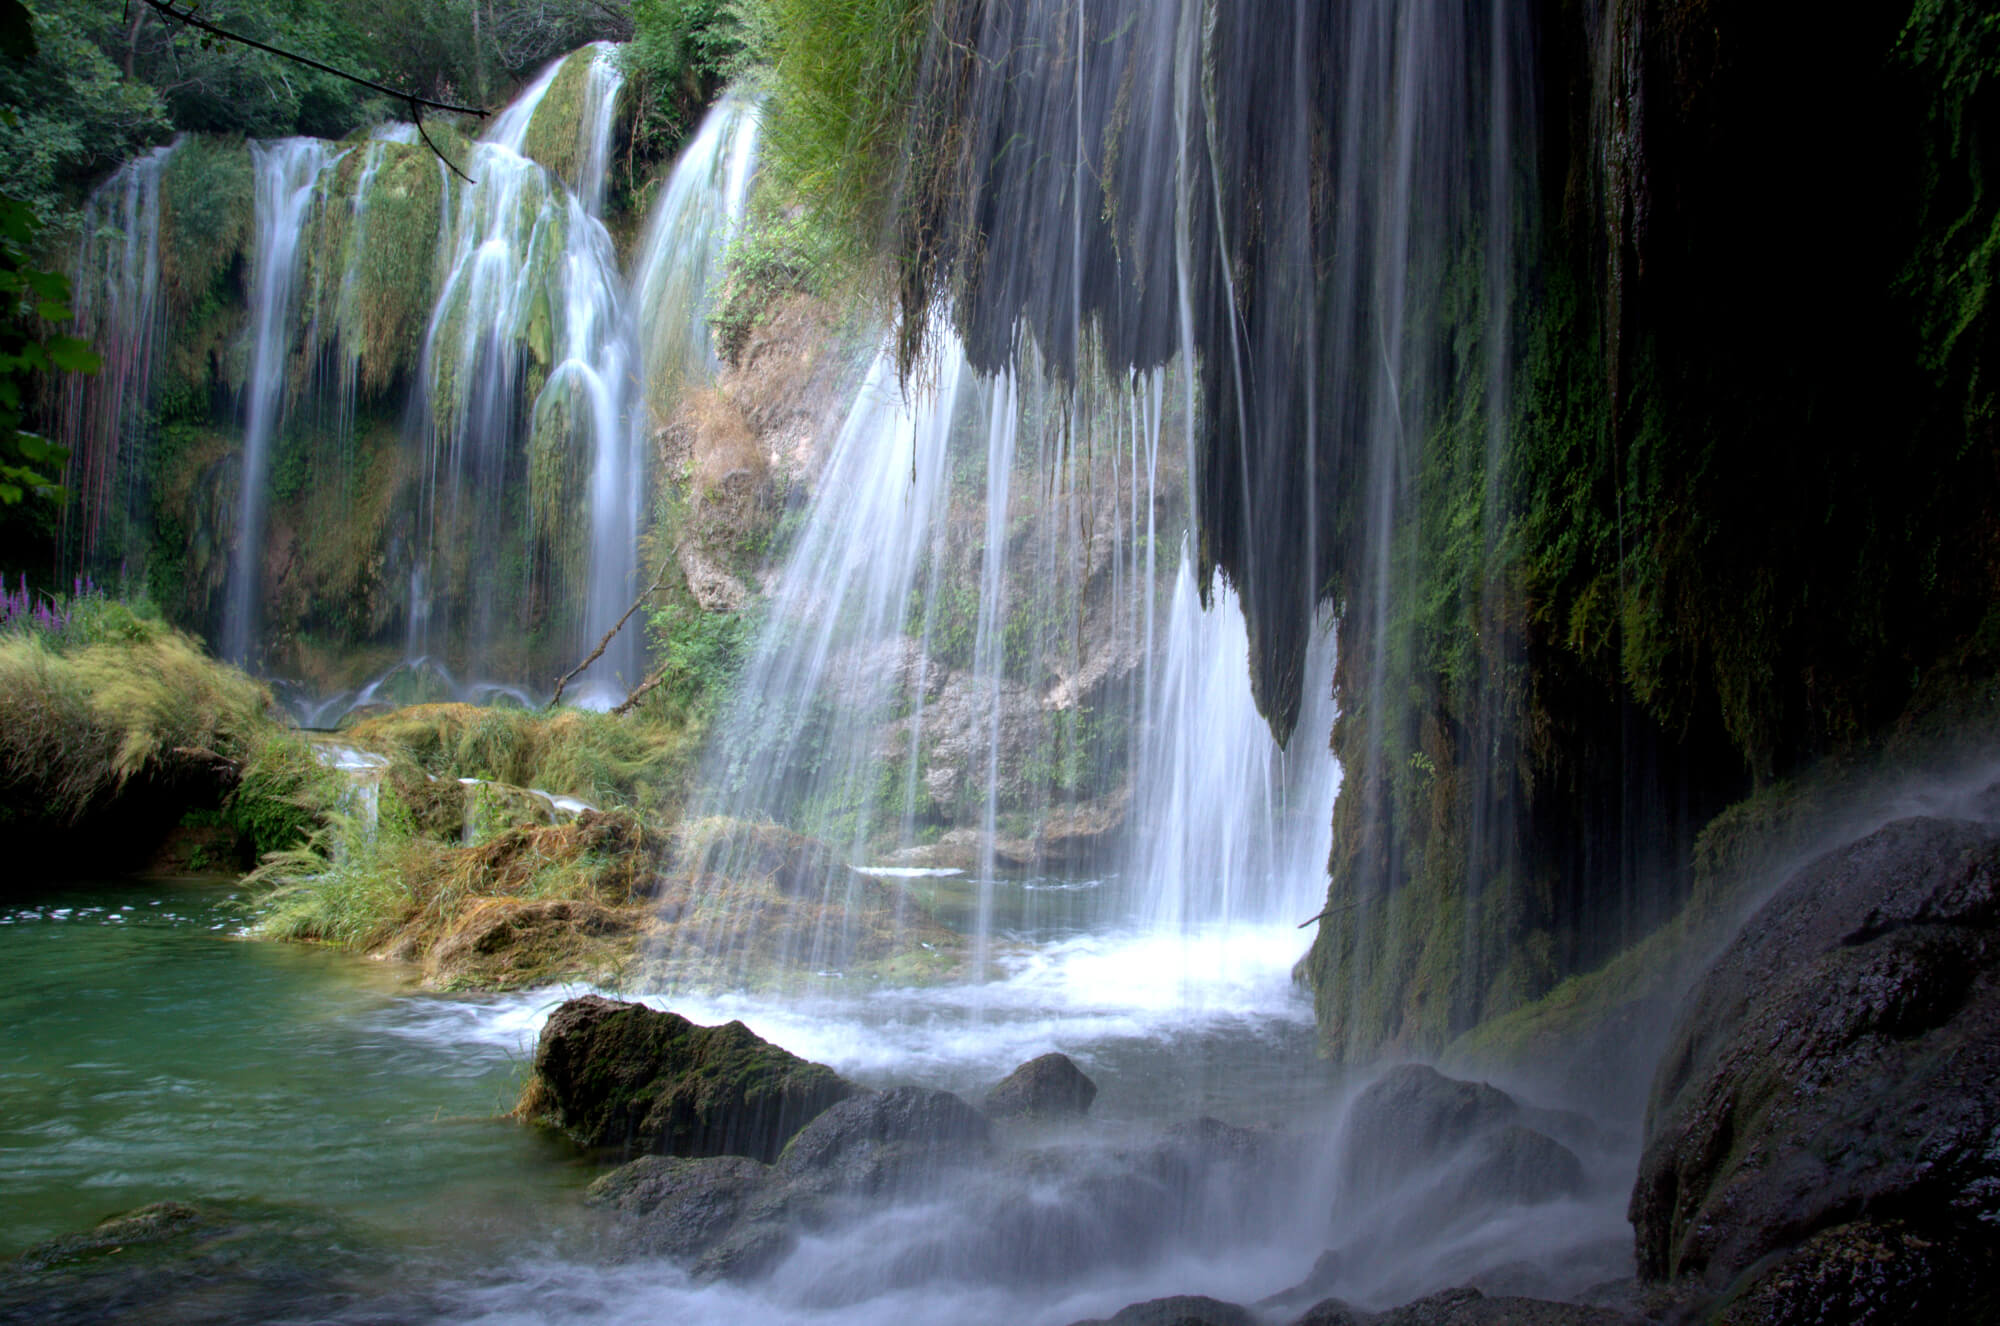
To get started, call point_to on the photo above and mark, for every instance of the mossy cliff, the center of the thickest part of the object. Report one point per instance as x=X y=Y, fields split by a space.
x=1622 y=378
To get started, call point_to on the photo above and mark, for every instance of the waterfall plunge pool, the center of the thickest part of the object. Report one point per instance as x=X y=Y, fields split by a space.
x=174 y=1059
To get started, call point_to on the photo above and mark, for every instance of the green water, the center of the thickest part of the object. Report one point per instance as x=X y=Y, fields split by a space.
x=150 y=1053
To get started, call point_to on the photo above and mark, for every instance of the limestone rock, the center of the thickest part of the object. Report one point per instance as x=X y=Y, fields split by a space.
x=617 y=1074
x=1048 y=1086
x=1842 y=1055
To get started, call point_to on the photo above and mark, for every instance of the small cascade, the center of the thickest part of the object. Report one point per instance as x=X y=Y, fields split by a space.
x=680 y=256
x=364 y=771
x=286 y=172
x=116 y=290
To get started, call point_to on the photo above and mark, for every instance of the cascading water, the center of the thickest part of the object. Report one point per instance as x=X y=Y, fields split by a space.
x=116 y=281
x=680 y=256
x=528 y=341
x=287 y=171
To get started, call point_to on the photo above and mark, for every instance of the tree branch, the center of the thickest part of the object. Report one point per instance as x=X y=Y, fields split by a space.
x=605 y=643
x=169 y=9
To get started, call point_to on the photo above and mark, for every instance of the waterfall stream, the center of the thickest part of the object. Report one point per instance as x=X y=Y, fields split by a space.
x=286 y=172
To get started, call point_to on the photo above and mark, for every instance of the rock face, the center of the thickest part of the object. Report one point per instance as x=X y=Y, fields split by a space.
x=1048 y=1086
x=616 y=1074
x=1842 y=1056
x=1869 y=1273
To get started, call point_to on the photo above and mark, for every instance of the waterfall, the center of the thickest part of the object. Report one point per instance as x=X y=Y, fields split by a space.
x=287 y=171
x=528 y=343
x=975 y=661
x=116 y=287
x=680 y=256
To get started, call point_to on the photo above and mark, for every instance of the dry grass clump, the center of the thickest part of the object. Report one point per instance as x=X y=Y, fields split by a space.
x=76 y=726
x=536 y=902
x=598 y=758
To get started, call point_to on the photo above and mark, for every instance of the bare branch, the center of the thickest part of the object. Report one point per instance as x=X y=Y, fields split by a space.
x=417 y=118
x=605 y=643
x=169 y=9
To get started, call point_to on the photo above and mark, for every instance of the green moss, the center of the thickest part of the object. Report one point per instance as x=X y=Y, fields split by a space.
x=207 y=216
x=372 y=258
x=555 y=132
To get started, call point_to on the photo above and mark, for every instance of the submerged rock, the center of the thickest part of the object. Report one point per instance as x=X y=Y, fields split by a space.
x=192 y=1262
x=1048 y=1086
x=1843 y=1055
x=617 y=1074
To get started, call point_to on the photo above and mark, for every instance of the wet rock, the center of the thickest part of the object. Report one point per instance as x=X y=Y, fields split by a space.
x=1331 y=1312
x=884 y=1140
x=1326 y=1271
x=1843 y=1054
x=1414 y=1117
x=682 y=1207
x=1517 y=1166
x=1047 y=1086
x=1469 y=1307
x=1869 y=1273
x=617 y=1074
x=1180 y=1310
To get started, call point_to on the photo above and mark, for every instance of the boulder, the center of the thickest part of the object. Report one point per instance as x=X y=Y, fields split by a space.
x=1515 y=1166
x=1469 y=1307
x=1414 y=1117
x=884 y=1140
x=1179 y=1310
x=1841 y=1056
x=1048 y=1086
x=613 y=1074
x=681 y=1207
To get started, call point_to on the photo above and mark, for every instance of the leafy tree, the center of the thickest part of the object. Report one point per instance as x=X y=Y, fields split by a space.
x=29 y=300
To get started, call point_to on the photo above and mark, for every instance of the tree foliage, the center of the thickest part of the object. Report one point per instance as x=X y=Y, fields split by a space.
x=30 y=300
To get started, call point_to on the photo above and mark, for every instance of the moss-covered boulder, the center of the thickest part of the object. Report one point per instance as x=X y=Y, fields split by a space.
x=612 y=1074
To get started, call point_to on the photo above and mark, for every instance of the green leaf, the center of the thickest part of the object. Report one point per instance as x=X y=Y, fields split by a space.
x=74 y=354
